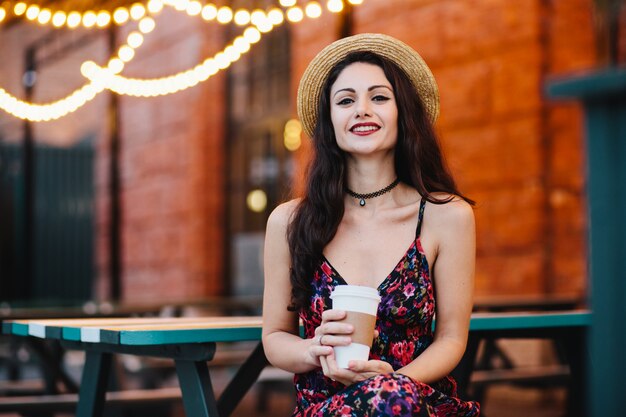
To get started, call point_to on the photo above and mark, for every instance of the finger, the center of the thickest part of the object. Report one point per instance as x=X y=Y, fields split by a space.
x=335 y=370
x=334 y=327
x=376 y=334
x=359 y=366
x=332 y=340
x=331 y=315
x=324 y=363
x=370 y=367
x=321 y=350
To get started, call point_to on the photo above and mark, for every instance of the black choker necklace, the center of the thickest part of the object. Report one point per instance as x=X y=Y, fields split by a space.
x=363 y=197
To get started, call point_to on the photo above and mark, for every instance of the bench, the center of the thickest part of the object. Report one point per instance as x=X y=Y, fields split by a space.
x=68 y=402
x=568 y=329
x=191 y=342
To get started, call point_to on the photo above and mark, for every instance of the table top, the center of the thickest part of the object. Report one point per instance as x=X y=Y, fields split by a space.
x=160 y=331
x=68 y=309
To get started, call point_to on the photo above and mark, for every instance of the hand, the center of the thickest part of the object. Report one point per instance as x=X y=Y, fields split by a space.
x=328 y=334
x=357 y=370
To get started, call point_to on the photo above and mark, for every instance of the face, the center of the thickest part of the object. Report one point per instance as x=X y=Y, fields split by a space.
x=363 y=110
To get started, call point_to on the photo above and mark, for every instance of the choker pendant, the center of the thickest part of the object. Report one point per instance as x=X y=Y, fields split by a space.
x=363 y=197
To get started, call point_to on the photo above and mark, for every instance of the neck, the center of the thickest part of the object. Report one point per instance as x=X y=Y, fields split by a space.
x=366 y=176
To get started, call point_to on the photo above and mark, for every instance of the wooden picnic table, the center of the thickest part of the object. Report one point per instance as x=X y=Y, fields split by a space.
x=48 y=352
x=191 y=343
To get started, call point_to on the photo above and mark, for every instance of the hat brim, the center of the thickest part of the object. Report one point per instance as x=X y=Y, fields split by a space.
x=402 y=55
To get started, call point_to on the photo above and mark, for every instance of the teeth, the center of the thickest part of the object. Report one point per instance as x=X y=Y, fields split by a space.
x=364 y=128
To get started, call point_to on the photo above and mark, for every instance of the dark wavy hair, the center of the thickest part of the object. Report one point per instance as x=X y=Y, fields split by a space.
x=418 y=162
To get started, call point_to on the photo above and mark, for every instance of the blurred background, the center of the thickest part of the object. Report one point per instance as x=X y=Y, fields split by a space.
x=134 y=192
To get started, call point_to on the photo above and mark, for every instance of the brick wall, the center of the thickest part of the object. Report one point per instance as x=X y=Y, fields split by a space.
x=172 y=169
x=517 y=153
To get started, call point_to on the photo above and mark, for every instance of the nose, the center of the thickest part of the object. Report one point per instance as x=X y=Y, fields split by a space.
x=363 y=108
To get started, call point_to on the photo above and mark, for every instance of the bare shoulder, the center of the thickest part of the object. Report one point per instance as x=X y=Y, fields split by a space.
x=455 y=215
x=282 y=214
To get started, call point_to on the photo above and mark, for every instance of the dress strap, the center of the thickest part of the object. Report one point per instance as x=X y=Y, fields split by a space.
x=420 y=216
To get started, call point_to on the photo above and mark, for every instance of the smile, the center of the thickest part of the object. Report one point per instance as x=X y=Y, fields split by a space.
x=364 y=129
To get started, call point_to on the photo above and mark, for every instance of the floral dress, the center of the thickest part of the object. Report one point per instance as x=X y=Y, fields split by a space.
x=404 y=323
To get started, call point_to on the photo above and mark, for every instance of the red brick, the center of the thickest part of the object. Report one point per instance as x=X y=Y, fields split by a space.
x=516 y=273
x=418 y=23
x=567 y=160
x=465 y=94
x=571 y=36
x=492 y=155
x=509 y=219
x=516 y=84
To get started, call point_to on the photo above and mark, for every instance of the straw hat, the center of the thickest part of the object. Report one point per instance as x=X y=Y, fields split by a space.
x=405 y=57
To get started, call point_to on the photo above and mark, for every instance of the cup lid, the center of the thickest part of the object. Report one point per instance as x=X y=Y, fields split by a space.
x=355 y=291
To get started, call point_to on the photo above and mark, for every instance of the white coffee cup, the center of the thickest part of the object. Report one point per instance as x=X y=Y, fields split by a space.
x=360 y=304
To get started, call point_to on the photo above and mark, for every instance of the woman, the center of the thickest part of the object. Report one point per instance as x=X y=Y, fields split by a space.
x=376 y=186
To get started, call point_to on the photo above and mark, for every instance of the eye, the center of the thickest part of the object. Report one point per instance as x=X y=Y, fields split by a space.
x=345 y=101
x=380 y=97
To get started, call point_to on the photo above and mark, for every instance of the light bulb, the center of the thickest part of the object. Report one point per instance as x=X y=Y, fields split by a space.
x=137 y=11
x=242 y=17
x=209 y=12
x=121 y=15
x=135 y=39
x=89 y=19
x=295 y=14
x=59 y=18
x=224 y=14
x=313 y=10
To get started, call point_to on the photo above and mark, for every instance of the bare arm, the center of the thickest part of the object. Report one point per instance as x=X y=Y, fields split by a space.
x=453 y=275
x=283 y=346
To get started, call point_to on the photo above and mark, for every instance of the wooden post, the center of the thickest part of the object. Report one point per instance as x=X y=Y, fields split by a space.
x=603 y=96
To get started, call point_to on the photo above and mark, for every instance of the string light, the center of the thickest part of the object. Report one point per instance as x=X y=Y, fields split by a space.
x=275 y=16
x=146 y=25
x=32 y=12
x=242 y=17
x=313 y=10
x=194 y=8
x=155 y=6
x=134 y=40
x=73 y=19
x=103 y=19
x=101 y=78
x=137 y=11
x=51 y=111
x=44 y=16
x=121 y=15
x=208 y=11
x=89 y=18
x=177 y=82
x=224 y=15
x=19 y=9
x=59 y=19
x=76 y=99
x=295 y=14
x=334 y=6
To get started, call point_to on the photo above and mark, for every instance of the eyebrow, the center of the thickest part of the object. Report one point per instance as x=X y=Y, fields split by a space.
x=352 y=90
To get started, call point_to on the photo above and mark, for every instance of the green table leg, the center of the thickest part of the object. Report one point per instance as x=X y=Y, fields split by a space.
x=93 y=384
x=195 y=385
x=245 y=377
